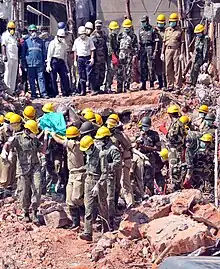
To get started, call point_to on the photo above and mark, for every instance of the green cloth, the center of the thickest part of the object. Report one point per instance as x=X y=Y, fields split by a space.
x=53 y=122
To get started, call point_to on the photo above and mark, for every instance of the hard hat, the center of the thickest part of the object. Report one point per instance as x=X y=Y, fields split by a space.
x=48 y=107
x=98 y=23
x=11 y=25
x=185 y=119
x=173 y=109
x=86 y=142
x=111 y=123
x=2 y=118
x=61 y=32
x=89 y=25
x=144 y=18
x=204 y=109
x=146 y=121
x=8 y=115
x=114 y=117
x=90 y=116
x=161 y=18
x=206 y=138
x=127 y=23
x=199 y=28
x=164 y=154
x=113 y=25
x=82 y=30
x=72 y=132
x=98 y=119
x=85 y=110
x=174 y=17
x=86 y=128
x=32 y=126
x=102 y=132
x=61 y=25
x=32 y=27
x=15 y=118
x=29 y=112
x=210 y=116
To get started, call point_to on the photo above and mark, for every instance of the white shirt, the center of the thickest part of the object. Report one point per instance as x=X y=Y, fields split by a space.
x=57 y=49
x=83 y=47
x=10 y=41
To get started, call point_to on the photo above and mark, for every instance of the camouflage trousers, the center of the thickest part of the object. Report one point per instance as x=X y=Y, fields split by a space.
x=149 y=174
x=98 y=76
x=111 y=195
x=111 y=72
x=29 y=189
x=124 y=73
x=195 y=70
x=147 y=66
x=92 y=203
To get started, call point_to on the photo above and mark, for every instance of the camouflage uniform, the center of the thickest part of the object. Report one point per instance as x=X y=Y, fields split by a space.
x=99 y=67
x=128 y=47
x=200 y=56
x=175 y=140
x=96 y=173
x=147 y=38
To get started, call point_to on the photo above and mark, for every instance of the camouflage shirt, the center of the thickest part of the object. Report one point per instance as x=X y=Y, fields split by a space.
x=100 y=42
x=113 y=157
x=151 y=139
x=202 y=47
x=176 y=134
x=147 y=37
x=128 y=43
x=112 y=44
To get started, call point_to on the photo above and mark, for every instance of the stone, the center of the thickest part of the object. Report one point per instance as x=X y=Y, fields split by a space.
x=56 y=219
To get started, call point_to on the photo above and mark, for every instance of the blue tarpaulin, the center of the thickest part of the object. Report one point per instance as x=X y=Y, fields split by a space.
x=53 y=122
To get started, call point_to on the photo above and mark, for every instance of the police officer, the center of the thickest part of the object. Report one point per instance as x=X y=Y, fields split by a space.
x=128 y=48
x=201 y=52
x=147 y=40
x=172 y=53
x=114 y=162
x=99 y=38
x=160 y=66
x=95 y=186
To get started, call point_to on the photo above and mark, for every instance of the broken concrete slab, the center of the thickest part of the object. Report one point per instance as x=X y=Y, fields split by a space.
x=57 y=219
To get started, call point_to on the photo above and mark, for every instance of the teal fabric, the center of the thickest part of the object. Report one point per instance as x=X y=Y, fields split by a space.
x=53 y=122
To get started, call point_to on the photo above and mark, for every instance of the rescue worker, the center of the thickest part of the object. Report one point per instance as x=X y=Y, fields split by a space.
x=90 y=116
x=57 y=63
x=48 y=108
x=147 y=40
x=148 y=143
x=114 y=162
x=113 y=48
x=27 y=147
x=128 y=49
x=201 y=52
x=10 y=55
x=175 y=141
x=203 y=110
x=99 y=38
x=200 y=166
x=33 y=58
x=84 y=10
x=159 y=65
x=15 y=123
x=29 y=113
x=89 y=28
x=172 y=53
x=83 y=49
x=75 y=185
x=207 y=125
x=95 y=186
x=98 y=119
x=87 y=128
x=85 y=110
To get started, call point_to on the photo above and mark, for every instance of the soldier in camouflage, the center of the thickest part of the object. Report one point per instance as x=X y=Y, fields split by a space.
x=207 y=126
x=147 y=39
x=128 y=48
x=99 y=38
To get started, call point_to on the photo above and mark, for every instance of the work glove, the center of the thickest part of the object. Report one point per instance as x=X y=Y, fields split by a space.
x=181 y=57
x=4 y=154
x=75 y=63
x=95 y=190
x=162 y=57
x=48 y=68
x=91 y=61
x=5 y=58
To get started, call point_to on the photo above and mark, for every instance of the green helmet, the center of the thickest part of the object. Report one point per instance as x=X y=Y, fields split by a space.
x=146 y=121
x=32 y=27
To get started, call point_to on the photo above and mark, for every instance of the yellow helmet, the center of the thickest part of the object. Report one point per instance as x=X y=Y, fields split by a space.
x=113 y=25
x=8 y=115
x=32 y=126
x=173 y=109
x=29 y=113
x=199 y=28
x=15 y=118
x=114 y=117
x=48 y=107
x=111 y=123
x=72 y=132
x=161 y=18
x=98 y=119
x=185 y=119
x=164 y=154
x=86 y=142
x=11 y=25
x=204 y=109
x=207 y=138
x=90 y=116
x=127 y=23
x=174 y=17
x=102 y=132
x=85 y=110
x=2 y=118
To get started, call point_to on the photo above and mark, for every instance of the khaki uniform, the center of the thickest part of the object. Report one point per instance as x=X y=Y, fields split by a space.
x=173 y=38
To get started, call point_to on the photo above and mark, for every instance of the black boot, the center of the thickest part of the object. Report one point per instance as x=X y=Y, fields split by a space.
x=111 y=224
x=75 y=217
x=26 y=217
x=86 y=237
x=143 y=86
x=34 y=217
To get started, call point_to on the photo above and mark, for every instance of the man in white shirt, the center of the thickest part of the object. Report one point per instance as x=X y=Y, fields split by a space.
x=10 y=55
x=83 y=49
x=57 y=62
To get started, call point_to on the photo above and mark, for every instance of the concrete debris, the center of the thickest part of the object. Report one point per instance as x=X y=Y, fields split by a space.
x=56 y=219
